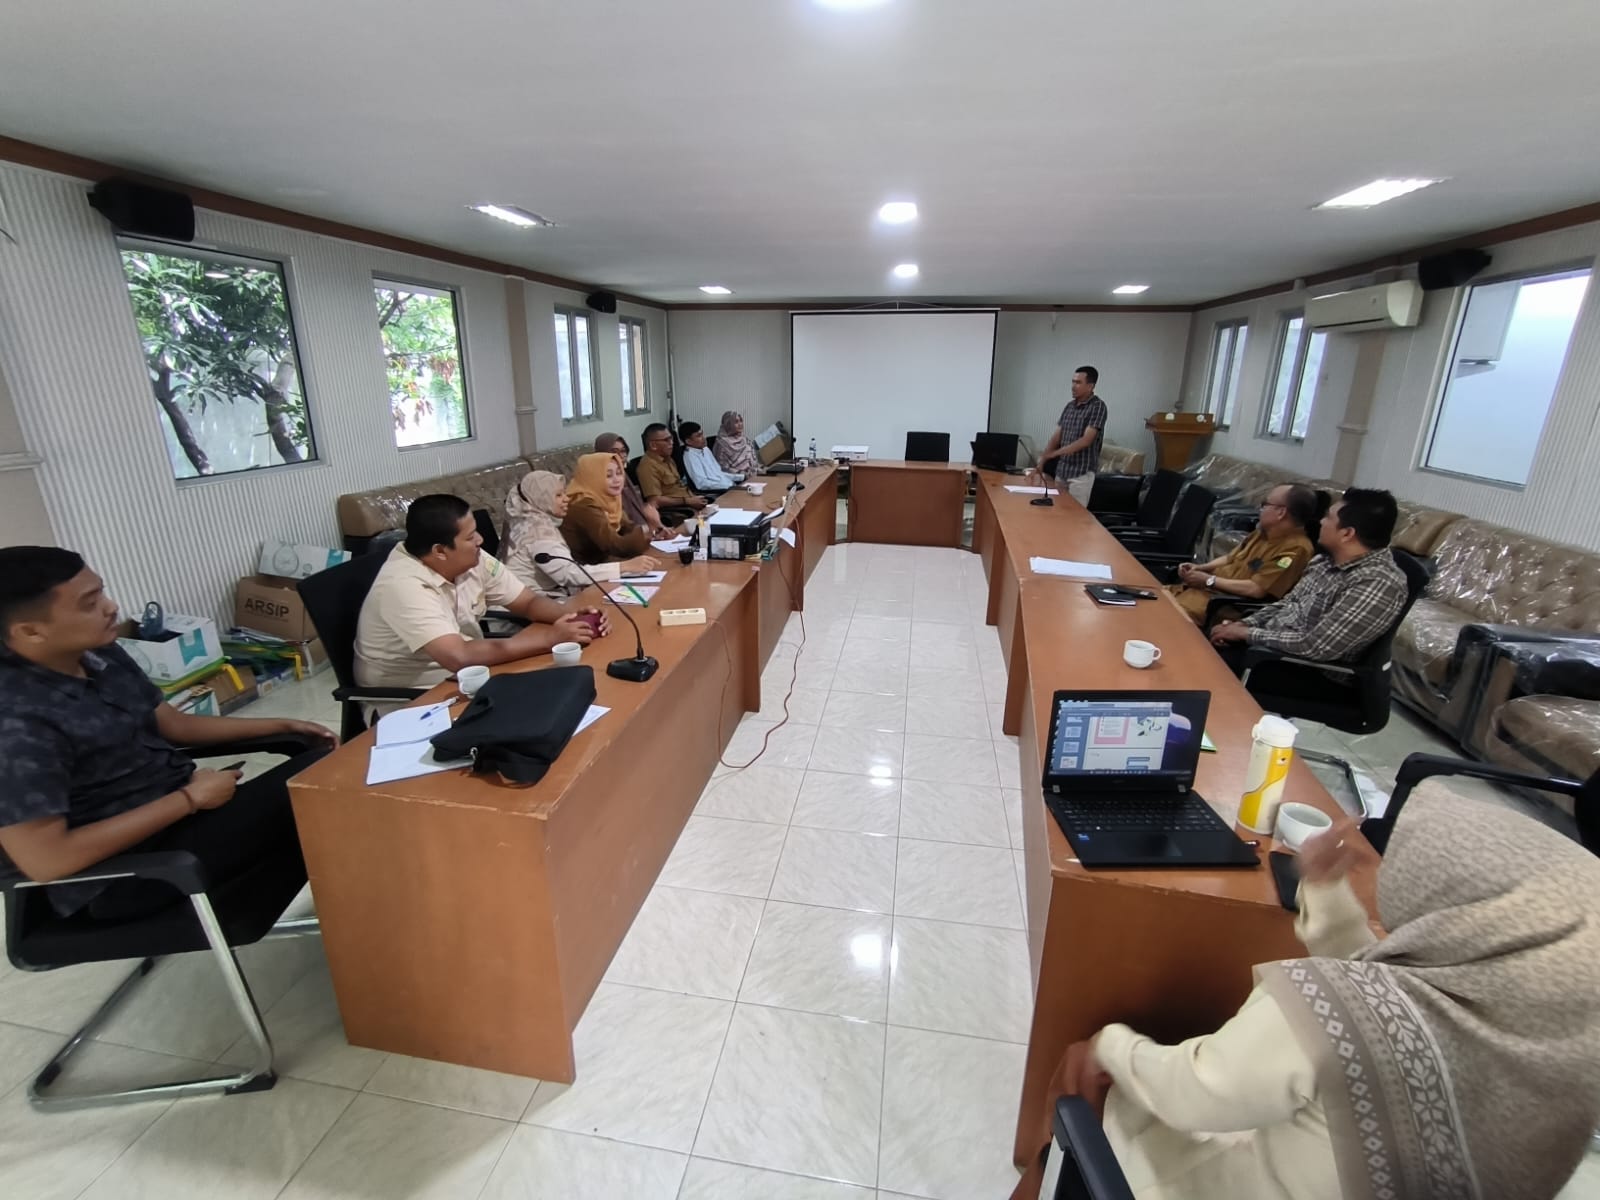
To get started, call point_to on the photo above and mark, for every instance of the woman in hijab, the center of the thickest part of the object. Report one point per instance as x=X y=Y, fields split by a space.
x=1456 y=1058
x=635 y=507
x=536 y=507
x=736 y=453
x=595 y=526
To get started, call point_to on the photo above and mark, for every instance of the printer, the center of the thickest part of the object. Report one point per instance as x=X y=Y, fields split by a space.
x=735 y=533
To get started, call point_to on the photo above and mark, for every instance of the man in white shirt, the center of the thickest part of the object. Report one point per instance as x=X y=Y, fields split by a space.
x=705 y=473
x=419 y=623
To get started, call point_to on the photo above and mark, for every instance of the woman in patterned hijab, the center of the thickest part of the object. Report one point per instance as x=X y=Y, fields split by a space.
x=1456 y=1058
x=734 y=452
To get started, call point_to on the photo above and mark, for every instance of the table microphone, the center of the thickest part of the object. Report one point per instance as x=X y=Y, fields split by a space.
x=636 y=669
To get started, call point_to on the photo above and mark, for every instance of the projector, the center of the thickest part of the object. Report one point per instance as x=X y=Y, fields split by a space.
x=849 y=453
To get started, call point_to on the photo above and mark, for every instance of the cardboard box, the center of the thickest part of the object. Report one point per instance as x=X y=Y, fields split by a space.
x=191 y=646
x=289 y=561
x=270 y=604
x=272 y=657
x=196 y=701
x=233 y=686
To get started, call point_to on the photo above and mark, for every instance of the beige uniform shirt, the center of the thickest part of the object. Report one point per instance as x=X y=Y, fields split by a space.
x=411 y=604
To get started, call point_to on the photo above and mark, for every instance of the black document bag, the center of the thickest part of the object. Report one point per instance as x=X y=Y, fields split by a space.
x=518 y=725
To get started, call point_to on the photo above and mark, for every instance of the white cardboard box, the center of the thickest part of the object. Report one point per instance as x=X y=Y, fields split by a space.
x=194 y=648
x=296 y=562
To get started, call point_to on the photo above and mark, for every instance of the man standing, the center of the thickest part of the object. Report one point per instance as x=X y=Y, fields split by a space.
x=1343 y=602
x=1267 y=564
x=1074 y=446
x=659 y=479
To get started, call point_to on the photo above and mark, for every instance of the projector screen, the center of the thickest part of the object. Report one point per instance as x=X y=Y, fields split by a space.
x=866 y=378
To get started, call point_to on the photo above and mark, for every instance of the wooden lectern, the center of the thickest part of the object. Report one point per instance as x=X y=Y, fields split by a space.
x=1177 y=434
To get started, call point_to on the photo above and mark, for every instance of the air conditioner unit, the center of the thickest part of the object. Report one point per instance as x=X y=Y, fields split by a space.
x=1387 y=306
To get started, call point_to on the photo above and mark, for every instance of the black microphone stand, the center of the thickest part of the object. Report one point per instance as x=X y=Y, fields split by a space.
x=636 y=669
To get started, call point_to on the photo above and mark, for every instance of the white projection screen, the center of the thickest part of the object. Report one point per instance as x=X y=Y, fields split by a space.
x=866 y=378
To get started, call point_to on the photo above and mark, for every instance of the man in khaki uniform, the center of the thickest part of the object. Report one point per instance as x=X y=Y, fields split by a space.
x=659 y=479
x=1266 y=565
x=419 y=623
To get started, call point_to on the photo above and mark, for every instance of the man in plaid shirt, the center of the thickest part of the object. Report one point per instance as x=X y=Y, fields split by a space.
x=1074 y=447
x=1343 y=602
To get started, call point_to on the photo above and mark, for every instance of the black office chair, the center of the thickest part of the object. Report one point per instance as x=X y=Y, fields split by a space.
x=333 y=600
x=633 y=469
x=1155 y=510
x=1089 y=1167
x=1116 y=496
x=927 y=447
x=486 y=530
x=1417 y=767
x=1174 y=544
x=217 y=917
x=1352 y=697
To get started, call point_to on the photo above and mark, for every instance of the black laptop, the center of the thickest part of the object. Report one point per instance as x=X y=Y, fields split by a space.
x=1120 y=781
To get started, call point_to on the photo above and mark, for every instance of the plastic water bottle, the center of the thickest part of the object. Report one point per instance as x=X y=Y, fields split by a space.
x=813 y=455
x=1271 y=752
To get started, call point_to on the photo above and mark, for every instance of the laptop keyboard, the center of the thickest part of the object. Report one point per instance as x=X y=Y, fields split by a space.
x=1139 y=814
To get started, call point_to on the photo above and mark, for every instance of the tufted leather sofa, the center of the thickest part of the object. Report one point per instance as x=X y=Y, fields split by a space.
x=1119 y=460
x=364 y=515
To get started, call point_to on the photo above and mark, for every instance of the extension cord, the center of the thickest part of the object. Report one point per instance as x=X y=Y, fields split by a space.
x=683 y=616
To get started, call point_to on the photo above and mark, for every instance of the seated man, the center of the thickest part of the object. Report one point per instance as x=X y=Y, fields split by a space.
x=658 y=474
x=704 y=470
x=1266 y=565
x=1343 y=602
x=419 y=624
x=89 y=760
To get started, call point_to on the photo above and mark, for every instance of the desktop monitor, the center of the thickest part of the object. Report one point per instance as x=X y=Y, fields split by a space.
x=995 y=451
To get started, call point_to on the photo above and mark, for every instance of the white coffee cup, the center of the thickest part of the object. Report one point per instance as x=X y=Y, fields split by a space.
x=471 y=679
x=1140 y=654
x=566 y=654
x=1298 y=823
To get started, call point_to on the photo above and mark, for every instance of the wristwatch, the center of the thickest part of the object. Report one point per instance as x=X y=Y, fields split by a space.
x=1211 y=581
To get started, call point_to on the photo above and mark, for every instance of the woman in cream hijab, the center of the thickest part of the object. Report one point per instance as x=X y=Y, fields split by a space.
x=735 y=453
x=536 y=507
x=1456 y=1058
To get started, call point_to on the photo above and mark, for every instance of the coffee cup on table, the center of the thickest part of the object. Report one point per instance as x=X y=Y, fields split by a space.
x=1140 y=654
x=1299 y=823
x=566 y=654
x=471 y=679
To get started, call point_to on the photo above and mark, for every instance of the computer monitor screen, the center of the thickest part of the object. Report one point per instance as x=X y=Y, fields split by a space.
x=1157 y=736
x=995 y=451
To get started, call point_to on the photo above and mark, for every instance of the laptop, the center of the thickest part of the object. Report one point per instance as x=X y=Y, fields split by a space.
x=994 y=451
x=1120 y=781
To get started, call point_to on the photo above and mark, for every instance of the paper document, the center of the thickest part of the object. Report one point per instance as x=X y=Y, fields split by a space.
x=413 y=724
x=1023 y=490
x=1206 y=743
x=788 y=536
x=1069 y=568
x=739 y=516
x=633 y=593
x=389 y=763
x=672 y=545
x=645 y=577
x=596 y=711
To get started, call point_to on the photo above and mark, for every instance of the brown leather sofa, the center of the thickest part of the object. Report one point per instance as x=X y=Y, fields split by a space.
x=364 y=515
x=1119 y=460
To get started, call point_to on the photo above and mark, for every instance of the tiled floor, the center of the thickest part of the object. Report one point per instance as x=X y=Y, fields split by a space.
x=825 y=997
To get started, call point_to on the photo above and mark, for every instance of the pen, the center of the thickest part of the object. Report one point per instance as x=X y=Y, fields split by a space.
x=643 y=603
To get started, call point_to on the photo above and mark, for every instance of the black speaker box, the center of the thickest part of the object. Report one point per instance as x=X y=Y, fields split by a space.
x=603 y=302
x=147 y=211
x=1450 y=269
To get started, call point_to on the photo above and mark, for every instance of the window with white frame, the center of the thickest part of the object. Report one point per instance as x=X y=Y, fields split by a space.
x=1227 y=360
x=631 y=334
x=421 y=332
x=575 y=366
x=1506 y=358
x=219 y=345
x=1293 y=386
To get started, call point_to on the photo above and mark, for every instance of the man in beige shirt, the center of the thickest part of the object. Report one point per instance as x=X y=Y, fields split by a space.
x=659 y=479
x=419 y=623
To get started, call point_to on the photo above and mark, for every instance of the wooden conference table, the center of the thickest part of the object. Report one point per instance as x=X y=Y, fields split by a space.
x=1166 y=950
x=908 y=503
x=470 y=921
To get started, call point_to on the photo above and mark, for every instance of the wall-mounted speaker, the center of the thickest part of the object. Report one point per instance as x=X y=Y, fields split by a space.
x=602 y=302
x=143 y=210
x=1450 y=269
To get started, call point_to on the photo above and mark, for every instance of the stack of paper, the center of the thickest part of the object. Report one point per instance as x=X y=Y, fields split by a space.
x=672 y=545
x=402 y=749
x=739 y=516
x=632 y=593
x=1023 y=490
x=1069 y=568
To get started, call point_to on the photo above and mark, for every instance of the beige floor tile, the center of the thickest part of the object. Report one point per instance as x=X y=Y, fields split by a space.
x=708 y=1179
x=688 y=941
x=449 y=1085
x=968 y=979
x=942 y=881
x=950 y=760
x=718 y=855
x=953 y=812
x=548 y=1164
x=836 y=870
x=864 y=710
x=822 y=960
x=853 y=803
x=870 y=752
x=758 y=793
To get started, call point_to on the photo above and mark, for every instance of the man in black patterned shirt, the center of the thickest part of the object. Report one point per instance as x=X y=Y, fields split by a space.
x=1344 y=601
x=89 y=764
x=1074 y=447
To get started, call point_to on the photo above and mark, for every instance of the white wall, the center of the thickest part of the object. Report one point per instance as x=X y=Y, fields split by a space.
x=1562 y=498
x=83 y=400
x=740 y=359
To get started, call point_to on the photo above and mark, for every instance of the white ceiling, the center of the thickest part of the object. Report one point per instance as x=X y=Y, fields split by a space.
x=1057 y=148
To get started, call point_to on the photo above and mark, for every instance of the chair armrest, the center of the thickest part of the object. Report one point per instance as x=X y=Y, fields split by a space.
x=497 y=614
x=1418 y=767
x=377 y=693
x=1257 y=655
x=179 y=868
x=1088 y=1151
x=288 y=745
x=1163 y=557
x=1139 y=533
x=1214 y=607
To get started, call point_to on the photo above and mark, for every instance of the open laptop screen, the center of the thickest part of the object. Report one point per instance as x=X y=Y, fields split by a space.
x=1155 y=736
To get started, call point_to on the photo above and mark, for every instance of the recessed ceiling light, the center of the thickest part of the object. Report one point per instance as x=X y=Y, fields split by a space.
x=898 y=212
x=511 y=214
x=906 y=271
x=715 y=289
x=1376 y=192
x=1130 y=289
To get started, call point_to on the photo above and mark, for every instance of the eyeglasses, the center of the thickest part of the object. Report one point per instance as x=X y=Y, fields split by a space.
x=1273 y=504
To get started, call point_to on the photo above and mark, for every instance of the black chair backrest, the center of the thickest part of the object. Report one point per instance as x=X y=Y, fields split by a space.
x=633 y=469
x=1155 y=510
x=486 y=530
x=995 y=451
x=1115 y=494
x=1372 y=664
x=927 y=447
x=1188 y=519
x=677 y=459
x=333 y=600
